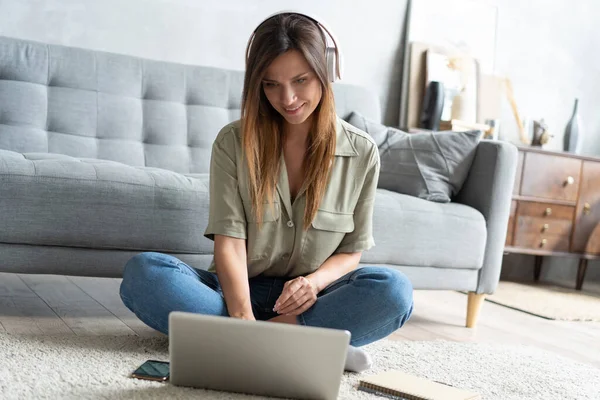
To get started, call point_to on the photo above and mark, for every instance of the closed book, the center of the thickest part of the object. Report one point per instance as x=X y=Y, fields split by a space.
x=402 y=386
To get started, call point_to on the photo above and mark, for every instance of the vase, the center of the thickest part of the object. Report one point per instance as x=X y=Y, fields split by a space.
x=573 y=137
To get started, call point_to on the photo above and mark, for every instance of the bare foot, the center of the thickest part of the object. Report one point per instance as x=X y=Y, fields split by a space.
x=285 y=319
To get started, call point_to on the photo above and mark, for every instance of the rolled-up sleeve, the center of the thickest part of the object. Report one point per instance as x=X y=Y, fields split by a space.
x=226 y=210
x=361 y=238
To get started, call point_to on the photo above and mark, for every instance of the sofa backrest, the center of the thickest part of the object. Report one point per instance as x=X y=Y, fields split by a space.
x=141 y=112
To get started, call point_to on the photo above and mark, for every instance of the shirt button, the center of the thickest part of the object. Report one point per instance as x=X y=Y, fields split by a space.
x=290 y=224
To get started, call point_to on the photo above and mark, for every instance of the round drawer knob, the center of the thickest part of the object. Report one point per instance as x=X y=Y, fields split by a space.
x=543 y=242
x=587 y=208
x=570 y=180
x=548 y=211
x=545 y=227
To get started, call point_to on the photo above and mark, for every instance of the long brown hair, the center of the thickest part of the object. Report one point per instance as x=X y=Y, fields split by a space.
x=262 y=125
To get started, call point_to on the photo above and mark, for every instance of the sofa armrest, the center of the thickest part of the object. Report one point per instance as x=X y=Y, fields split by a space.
x=488 y=188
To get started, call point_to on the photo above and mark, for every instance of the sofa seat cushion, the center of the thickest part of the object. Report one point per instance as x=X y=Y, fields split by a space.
x=417 y=232
x=52 y=199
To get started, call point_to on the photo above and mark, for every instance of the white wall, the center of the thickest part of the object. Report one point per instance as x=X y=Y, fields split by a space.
x=215 y=33
x=549 y=49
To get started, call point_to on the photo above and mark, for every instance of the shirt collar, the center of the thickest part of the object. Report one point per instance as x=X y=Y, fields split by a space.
x=343 y=144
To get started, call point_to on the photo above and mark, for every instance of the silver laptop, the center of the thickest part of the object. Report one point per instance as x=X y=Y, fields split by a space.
x=256 y=357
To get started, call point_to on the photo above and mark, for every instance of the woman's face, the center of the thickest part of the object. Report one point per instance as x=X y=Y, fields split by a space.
x=291 y=86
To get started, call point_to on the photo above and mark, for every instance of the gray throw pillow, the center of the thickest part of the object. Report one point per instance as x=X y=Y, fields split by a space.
x=428 y=165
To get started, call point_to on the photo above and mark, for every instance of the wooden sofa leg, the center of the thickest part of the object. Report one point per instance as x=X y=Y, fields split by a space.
x=474 y=303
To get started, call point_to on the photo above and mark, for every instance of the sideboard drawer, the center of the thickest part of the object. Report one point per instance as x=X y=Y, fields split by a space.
x=550 y=176
x=539 y=241
x=545 y=211
x=544 y=225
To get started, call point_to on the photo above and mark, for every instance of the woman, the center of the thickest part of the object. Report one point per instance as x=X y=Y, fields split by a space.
x=292 y=189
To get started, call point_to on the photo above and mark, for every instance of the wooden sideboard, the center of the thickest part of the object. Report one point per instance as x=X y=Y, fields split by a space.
x=555 y=208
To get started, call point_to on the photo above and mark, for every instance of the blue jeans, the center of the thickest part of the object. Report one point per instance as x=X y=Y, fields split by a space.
x=370 y=302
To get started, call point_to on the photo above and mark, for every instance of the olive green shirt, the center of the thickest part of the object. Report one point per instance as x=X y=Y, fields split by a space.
x=281 y=247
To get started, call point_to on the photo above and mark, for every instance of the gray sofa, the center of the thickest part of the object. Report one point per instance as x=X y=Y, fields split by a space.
x=103 y=156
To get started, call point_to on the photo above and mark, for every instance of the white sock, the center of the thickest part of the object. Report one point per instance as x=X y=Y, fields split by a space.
x=357 y=360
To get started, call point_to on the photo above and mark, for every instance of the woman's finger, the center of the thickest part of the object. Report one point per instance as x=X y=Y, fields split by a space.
x=293 y=298
x=283 y=298
x=296 y=304
x=308 y=304
x=286 y=294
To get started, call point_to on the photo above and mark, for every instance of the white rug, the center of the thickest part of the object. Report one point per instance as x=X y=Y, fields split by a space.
x=76 y=367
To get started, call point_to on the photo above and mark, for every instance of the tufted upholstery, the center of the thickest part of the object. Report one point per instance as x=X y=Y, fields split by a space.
x=140 y=112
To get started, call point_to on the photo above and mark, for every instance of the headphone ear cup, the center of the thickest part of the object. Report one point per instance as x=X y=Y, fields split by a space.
x=331 y=64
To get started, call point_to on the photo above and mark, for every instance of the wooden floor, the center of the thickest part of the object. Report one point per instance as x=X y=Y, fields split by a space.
x=50 y=304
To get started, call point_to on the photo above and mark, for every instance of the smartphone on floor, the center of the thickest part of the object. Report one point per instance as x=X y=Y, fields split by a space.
x=152 y=370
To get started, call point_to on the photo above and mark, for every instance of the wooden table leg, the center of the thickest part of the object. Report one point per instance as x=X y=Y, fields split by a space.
x=537 y=267
x=581 y=273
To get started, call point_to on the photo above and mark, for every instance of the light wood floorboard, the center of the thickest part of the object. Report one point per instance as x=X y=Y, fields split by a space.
x=12 y=286
x=80 y=312
x=106 y=292
x=91 y=306
x=30 y=315
x=22 y=311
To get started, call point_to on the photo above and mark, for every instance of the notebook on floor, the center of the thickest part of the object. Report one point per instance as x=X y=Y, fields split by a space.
x=400 y=385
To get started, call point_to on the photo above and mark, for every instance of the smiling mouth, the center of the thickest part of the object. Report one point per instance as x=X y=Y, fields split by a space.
x=293 y=110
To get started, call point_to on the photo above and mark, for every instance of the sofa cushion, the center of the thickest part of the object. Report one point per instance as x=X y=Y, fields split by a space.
x=51 y=199
x=432 y=166
x=412 y=231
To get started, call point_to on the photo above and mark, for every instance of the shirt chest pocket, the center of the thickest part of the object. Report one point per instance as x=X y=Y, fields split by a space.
x=325 y=235
x=261 y=241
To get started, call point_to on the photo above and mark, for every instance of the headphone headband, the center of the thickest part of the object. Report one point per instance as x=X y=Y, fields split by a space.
x=332 y=53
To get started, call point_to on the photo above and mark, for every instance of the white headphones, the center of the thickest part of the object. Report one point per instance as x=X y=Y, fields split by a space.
x=332 y=53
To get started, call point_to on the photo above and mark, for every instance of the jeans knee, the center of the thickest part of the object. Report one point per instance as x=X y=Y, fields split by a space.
x=401 y=291
x=135 y=265
x=136 y=271
x=396 y=291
